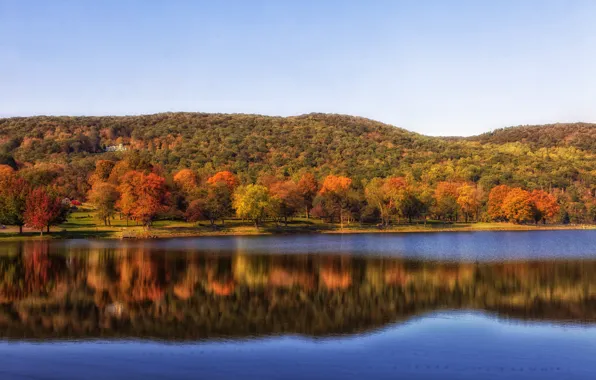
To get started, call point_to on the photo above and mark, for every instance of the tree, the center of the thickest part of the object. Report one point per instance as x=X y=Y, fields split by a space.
x=307 y=188
x=337 y=190
x=103 y=196
x=389 y=197
x=252 y=202
x=396 y=191
x=6 y=173
x=151 y=198
x=495 y=202
x=517 y=206
x=446 y=200
x=42 y=209
x=186 y=180
x=377 y=197
x=127 y=200
x=142 y=196
x=545 y=206
x=468 y=200
x=411 y=205
x=13 y=201
x=226 y=177
x=103 y=169
x=285 y=196
x=214 y=203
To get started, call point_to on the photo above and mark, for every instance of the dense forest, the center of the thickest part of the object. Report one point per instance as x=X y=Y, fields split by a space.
x=198 y=166
x=143 y=293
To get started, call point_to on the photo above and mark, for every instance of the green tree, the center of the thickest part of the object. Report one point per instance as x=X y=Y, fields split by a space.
x=252 y=202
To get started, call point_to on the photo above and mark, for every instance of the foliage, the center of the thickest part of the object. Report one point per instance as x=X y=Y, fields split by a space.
x=103 y=196
x=252 y=202
x=42 y=209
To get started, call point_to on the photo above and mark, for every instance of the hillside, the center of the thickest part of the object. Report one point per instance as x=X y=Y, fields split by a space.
x=578 y=135
x=553 y=156
x=242 y=143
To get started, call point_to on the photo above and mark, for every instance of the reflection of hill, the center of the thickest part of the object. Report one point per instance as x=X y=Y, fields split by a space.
x=145 y=294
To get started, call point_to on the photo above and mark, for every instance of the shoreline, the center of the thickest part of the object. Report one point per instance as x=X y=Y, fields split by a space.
x=173 y=232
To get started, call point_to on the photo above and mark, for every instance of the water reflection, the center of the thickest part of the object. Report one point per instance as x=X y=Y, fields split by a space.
x=141 y=292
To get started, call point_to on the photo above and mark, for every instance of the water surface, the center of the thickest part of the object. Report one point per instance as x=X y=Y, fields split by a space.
x=441 y=305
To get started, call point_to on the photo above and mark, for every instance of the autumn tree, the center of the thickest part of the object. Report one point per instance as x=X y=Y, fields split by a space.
x=307 y=188
x=446 y=206
x=545 y=206
x=252 y=202
x=285 y=198
x=226 y=177
x=142 y=196
x=103 y=169
x=337 y=190
x=6 y=173
x=468 y=199
x=186 y=180
x=42 y=209
x=13 y=201
x=518 y=206
x=103 y=196
x=495 y=202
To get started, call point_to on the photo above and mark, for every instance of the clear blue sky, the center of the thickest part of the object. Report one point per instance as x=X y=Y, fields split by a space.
x=434 y=67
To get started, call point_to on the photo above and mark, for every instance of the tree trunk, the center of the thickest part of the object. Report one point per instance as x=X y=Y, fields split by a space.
x=20 y=229
x=41 y=232
x=286 y=220
x=48 y=228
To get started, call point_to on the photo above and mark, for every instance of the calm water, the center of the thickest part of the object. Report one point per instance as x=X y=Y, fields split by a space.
x=516 y=305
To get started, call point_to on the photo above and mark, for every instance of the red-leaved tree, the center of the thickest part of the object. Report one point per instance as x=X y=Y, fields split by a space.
x=41 y=209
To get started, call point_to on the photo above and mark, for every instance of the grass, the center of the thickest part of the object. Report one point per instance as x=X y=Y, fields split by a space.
x=82 y=224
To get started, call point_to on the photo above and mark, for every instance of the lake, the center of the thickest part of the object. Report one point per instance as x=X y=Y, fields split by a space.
x=481 y=305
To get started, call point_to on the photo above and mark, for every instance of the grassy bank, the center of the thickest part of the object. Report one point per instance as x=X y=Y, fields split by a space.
x=83 y=224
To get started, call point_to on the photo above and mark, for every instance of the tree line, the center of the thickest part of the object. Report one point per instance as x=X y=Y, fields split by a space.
x=141 y=192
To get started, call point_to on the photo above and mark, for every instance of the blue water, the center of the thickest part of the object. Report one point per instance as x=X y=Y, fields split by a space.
x=464 y=246
x=439 y=346
x=545 y=331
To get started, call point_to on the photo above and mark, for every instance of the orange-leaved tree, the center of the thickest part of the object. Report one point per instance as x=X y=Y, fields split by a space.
x=336 y=189
x=186 y=180
x=286 y=199
x=495 y=202
x=545 y=206
x=518 y=206
x=142 y=196
x=468 y=199
x=307 y=188
x=226 y=177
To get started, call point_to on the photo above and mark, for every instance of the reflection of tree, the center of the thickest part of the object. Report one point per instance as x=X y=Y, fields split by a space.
x=336 y=272
x=195 y=295
x=141 y=277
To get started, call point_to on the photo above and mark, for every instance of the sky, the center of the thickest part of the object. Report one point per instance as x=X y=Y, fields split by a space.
x=434 y=67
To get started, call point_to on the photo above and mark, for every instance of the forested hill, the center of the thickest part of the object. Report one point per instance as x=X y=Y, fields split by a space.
x=579 y=135
x=254 y=145
x=242 y=143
